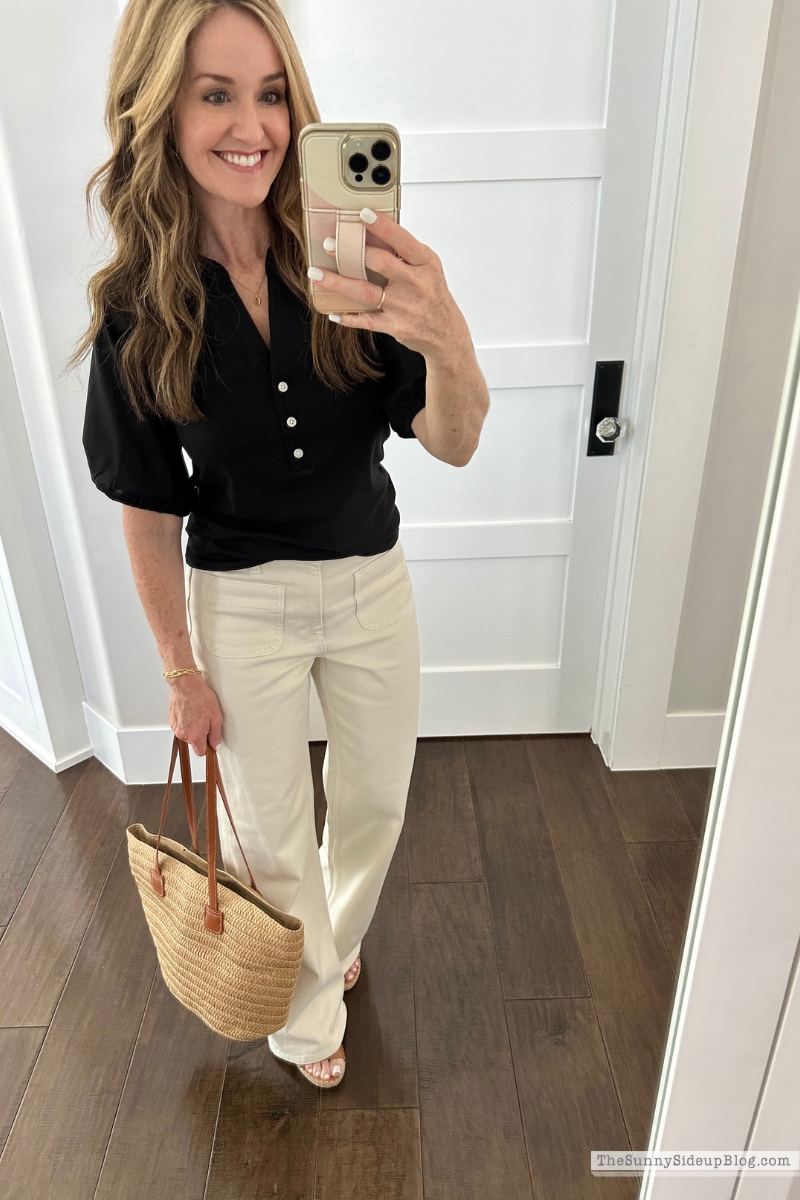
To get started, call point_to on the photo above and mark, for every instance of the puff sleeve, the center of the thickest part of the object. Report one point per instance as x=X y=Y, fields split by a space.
x=403 y=384
x=139 y=463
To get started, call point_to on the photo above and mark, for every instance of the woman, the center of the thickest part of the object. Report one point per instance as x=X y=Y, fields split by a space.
x=204 y=344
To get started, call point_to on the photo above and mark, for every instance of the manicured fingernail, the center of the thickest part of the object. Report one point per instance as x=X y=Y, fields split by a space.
x=335 y=317
x=337 y=1070
x=315 y=273
x=330 y=244
x=368 y=215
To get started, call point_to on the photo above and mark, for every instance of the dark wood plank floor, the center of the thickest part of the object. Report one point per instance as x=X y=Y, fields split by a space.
x=511 y=1013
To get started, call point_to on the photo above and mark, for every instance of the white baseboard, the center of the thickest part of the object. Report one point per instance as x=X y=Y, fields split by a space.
x=142 y=755
x=44 y=753
x=133 y=755
x=691 y=739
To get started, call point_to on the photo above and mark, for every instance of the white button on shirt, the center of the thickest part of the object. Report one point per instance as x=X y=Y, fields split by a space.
x=298 y=453
x=291 y=421
x=283 y=387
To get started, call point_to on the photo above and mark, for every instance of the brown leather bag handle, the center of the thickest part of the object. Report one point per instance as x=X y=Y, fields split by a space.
x=212 y=917
x=186 y=780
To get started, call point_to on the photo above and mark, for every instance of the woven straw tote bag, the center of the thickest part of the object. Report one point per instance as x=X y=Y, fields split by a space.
x=224 y=952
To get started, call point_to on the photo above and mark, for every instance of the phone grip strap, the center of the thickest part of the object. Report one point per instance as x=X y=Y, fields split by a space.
x=351 y=244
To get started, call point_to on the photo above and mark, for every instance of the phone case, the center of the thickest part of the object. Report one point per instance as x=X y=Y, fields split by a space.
x=332 y=201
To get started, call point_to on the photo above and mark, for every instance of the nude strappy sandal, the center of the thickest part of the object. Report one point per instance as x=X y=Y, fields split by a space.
x=334 y=1081
x=329 y=1083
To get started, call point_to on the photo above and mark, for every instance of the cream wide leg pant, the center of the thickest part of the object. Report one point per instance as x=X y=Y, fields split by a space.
x=258 y=634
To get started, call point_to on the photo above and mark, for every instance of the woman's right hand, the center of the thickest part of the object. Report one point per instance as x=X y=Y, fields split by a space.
x=194 y=713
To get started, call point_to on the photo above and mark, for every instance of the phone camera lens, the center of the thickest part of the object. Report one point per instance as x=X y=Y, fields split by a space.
x=381 y=150
x=381 y=175
x=358 y=162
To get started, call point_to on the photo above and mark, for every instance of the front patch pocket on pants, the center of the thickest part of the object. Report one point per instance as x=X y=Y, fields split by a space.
x=383 y=600
x=241 y=616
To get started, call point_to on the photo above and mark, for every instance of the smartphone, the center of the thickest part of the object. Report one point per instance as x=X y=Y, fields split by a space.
x=344 y=168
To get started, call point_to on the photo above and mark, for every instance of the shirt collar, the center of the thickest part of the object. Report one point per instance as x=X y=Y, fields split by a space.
x=288 y=315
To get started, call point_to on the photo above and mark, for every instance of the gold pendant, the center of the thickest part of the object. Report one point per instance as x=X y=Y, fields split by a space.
x=256 y=299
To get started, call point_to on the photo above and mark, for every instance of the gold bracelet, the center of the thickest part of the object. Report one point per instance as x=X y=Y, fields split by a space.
x=182 y=671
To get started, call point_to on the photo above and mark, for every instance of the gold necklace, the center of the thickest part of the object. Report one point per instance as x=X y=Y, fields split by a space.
x=256 y=297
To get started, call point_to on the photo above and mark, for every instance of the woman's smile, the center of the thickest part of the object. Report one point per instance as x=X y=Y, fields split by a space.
x=250 y=164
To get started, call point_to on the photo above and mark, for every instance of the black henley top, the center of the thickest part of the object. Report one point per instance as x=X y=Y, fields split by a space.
x=282 y=467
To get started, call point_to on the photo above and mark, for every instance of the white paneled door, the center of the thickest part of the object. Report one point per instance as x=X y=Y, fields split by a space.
x=528 y=132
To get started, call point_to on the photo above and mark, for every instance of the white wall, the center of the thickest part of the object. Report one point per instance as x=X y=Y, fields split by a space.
x=40 y=685
x=48 y=148
x=765 y=288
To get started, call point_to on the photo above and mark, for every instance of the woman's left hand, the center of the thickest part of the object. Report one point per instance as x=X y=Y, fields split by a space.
x=418 y=309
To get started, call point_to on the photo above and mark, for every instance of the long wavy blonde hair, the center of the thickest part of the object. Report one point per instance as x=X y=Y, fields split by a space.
x=153 y=275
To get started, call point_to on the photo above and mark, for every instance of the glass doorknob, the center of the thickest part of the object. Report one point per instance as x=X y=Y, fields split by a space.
x=608 y=430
